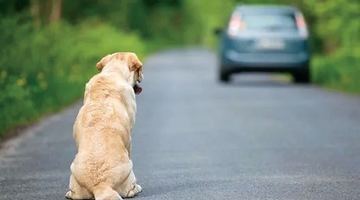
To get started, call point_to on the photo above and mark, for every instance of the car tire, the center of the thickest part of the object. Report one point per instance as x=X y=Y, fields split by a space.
x=303 y=75
x=224 y=77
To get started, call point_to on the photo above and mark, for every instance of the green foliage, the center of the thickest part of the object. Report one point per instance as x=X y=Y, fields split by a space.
x=202 y=17
x=43 y=70
x=337 y=63
x=339 y=72
x=44 y=67
x=152 y=19
x=337 y=24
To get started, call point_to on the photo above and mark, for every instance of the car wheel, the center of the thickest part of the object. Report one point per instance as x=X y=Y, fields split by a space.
x=224 y=77
x=302 y=76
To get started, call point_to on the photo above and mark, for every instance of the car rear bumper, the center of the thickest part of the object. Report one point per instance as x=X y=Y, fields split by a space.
x=234 y=61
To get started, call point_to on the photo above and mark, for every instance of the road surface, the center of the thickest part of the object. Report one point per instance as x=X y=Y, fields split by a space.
x=197 y=139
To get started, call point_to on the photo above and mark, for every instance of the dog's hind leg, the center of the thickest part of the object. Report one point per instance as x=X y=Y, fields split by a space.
x=129 y=188
x=77 y=191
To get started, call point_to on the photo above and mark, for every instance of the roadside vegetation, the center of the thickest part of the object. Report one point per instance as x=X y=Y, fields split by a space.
x=49 y=48
x=43 y=70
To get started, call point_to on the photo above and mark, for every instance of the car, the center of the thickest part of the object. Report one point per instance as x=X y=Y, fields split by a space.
x=265 y=38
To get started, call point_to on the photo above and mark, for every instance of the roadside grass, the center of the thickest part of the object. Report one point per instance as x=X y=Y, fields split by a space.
x=340 y=73
x=43 y=70
x=335 y=73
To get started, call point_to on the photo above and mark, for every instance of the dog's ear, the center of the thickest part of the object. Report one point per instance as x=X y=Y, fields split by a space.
x=101 y=64
x=136 y=65
x=139 y=73
x=134 y=62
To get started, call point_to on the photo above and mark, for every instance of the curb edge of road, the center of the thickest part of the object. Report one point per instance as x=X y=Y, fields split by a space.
x=8 y=146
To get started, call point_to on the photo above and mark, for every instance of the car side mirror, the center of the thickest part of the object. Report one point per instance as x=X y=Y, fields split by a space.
x=218 y=31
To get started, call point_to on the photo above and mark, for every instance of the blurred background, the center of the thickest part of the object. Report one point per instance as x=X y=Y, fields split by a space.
x=49 y=47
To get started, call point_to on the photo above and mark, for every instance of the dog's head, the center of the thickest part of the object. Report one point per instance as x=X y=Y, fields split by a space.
x=133 y=71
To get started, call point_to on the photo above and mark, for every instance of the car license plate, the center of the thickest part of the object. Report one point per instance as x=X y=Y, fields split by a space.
x=275 y=44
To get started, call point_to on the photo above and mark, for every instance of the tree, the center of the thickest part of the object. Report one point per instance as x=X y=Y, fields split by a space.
x=45 y=12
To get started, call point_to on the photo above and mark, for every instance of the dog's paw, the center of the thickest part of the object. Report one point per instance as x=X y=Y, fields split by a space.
x=134 y=191
x=68 y=195
x=138 y=188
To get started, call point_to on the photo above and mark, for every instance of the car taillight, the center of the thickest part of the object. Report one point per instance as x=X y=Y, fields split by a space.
x=301 y=25
x=235 y=25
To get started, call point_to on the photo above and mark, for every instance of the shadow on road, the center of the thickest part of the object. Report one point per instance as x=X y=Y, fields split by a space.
x=261 y=80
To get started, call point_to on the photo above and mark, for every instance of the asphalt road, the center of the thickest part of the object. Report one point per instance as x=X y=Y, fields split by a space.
x=197 y=139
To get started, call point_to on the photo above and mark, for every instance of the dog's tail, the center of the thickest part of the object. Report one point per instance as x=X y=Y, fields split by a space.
x=105 y=192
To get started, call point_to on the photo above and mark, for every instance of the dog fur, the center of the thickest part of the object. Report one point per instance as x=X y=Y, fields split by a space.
x=102 y=168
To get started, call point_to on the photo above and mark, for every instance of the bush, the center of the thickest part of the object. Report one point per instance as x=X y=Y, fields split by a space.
x=41 y=70
x=340 y=72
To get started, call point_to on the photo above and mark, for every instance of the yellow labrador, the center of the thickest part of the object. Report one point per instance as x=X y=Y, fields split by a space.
x=102 y=168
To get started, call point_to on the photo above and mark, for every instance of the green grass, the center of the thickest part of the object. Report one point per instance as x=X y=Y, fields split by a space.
x=42 y=70
x=340 y=73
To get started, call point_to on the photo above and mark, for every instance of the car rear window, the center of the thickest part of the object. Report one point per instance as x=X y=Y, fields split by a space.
x=269 y=21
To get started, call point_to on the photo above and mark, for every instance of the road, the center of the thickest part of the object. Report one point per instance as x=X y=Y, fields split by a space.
x=254 y=139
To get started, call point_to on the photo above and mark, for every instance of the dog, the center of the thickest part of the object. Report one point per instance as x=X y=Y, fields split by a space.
x=102 y=168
